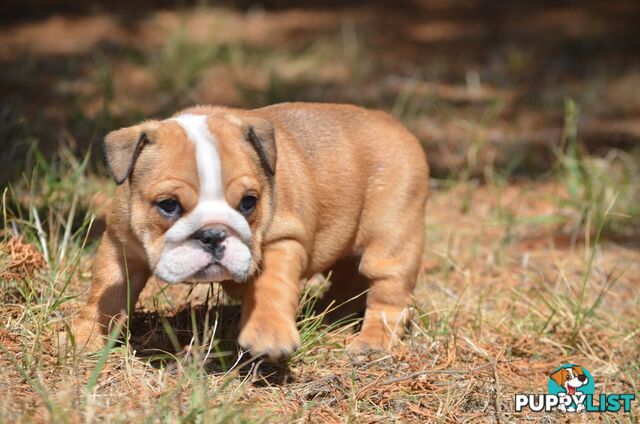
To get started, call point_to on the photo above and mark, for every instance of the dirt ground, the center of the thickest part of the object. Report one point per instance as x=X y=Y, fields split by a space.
x=530 y=116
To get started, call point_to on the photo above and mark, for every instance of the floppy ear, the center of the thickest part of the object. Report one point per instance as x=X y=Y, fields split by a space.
x=578 y=370
x=260 y=134
x=122 y=147
x=560 y=377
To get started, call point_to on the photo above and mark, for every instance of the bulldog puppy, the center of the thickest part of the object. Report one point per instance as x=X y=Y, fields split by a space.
x=260 y=199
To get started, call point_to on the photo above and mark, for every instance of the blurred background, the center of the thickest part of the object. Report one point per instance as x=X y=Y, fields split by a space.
x=483 y=84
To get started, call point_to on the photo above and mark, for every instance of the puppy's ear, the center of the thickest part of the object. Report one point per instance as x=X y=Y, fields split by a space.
x=260 y=134
x=122 y=147
x=560 y=377
x=578 y=370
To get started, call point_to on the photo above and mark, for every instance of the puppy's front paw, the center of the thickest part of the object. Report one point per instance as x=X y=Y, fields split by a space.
x=274 y=338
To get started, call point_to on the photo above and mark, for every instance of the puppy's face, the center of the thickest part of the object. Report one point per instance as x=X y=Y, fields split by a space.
x=570 y=378
x=576 y=377
x=199 y=193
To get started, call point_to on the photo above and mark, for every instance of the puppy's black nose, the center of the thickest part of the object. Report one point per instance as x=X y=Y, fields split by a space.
x=211 y=236
x=582 y=378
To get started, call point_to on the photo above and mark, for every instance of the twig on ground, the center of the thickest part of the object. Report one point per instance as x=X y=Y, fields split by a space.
x=425 y=372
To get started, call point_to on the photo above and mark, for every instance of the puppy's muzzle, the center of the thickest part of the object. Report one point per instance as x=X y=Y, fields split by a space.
x=211 y=240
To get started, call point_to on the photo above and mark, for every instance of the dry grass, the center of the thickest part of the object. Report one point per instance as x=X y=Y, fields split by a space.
x=520 y=274
x=499 y=305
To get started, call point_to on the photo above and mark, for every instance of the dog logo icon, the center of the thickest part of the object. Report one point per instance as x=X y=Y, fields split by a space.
x=573 y=381
x=571 y=390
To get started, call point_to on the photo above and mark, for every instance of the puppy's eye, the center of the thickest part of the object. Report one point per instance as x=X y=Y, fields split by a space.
x=248 y=204
x=170 y=208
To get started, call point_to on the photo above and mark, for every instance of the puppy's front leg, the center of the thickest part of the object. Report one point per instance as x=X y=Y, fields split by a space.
x=118 y=276
x=270 y=306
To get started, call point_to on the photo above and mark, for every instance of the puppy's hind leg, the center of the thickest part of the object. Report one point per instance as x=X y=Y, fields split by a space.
x=391 y=256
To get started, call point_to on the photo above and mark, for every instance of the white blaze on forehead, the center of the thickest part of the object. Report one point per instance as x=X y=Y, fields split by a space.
x=207 y=158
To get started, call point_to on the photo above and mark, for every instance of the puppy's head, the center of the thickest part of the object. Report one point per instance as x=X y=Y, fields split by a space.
x=196 y=192
x=570 y=378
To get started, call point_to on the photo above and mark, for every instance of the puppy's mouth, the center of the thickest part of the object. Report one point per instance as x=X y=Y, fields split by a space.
x=572 y=386
x=189 y=262
x=211 y=272
x=216 y=271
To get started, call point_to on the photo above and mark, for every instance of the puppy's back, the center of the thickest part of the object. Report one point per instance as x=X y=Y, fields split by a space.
x=357 y=160
x=352 y=136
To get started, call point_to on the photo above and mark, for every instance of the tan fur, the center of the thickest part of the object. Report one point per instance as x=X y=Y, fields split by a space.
x=350 y=192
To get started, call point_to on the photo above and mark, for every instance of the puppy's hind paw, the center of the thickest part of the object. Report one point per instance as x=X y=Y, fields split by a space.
x=85 y=338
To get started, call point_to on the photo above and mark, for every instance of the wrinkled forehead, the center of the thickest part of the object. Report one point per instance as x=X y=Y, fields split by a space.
x=199 y=150
x=171 y=156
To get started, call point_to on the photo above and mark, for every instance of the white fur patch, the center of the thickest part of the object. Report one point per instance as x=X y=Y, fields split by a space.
x=182 y=258
x=207 y=157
